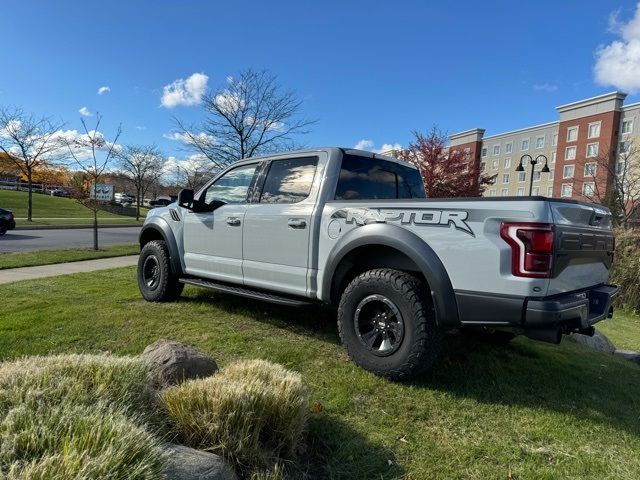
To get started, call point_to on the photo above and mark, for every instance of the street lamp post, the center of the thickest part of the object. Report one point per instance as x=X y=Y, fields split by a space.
x=533 y=162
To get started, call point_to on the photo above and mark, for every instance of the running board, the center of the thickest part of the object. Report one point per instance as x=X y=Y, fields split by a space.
x=245 y=292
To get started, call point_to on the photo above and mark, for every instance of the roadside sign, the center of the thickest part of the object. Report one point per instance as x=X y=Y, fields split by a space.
x=102 y=191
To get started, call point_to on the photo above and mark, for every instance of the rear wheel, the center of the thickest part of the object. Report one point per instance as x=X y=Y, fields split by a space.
x=387 y=324
x=155 y=280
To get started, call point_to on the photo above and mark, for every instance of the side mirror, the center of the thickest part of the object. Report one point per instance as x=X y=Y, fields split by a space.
x=185 y=198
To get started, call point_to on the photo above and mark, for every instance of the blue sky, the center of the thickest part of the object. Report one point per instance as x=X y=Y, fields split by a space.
x=373 y=70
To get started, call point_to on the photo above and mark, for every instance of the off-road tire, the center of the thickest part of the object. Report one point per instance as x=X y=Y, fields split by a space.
x=166 y=287
x=422 y=341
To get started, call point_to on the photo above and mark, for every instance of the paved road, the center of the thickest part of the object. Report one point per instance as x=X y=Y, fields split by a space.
x=31 y=240
x=30 y=273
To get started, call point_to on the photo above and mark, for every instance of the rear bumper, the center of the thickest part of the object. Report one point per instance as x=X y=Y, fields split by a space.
x=578 y=310
x=12 y=225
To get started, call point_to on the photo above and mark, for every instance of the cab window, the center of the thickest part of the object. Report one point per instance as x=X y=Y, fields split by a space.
x=232 y=187
x=289 y=180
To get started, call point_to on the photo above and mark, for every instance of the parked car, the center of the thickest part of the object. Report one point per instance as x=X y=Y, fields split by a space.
x=123 y=199
x=60 y=192
x=160 y=202
x=7 y=221
x=354 y=230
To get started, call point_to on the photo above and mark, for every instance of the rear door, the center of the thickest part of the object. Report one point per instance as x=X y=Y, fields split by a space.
x=583 y=246
x=277 y=225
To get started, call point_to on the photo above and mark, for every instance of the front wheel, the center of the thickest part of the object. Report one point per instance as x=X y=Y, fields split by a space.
x=387 y=324
x=155 y=280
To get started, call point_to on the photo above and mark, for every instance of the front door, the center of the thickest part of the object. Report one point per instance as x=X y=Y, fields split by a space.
x=276 y=228
x=213 y=232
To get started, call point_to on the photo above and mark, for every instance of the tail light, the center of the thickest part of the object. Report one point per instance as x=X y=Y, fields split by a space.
x=531 y=246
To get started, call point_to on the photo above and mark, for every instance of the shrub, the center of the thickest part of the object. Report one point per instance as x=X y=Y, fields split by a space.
x=76 y=442
x=253 y=412
x=76 y=417
x=76 y=380
x=626 y=268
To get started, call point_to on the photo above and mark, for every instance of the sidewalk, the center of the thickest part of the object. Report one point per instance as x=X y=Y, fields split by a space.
x=43 y=271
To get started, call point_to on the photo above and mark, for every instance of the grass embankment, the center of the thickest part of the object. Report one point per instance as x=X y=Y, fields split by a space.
x=623 y=330
x=528 y=410
x=48 y=257
x=48 y=210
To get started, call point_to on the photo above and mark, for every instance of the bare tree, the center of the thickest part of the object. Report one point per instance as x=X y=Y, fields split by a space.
x=143 y=166
x=194 y=172
x=91 y=154
x=614 y=181
x=29 y=142
x=250 y=115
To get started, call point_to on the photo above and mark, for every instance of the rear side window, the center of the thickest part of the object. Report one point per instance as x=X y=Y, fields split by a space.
x=289 y=180
x=364 y=178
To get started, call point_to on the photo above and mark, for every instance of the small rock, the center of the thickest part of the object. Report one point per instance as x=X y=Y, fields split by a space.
x=173 y=362
x=628 y=355
x=184 y=463
x=598 y=342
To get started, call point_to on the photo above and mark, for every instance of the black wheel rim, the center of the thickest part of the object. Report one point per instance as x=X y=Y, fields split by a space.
x=151 y=272
x=379 y=325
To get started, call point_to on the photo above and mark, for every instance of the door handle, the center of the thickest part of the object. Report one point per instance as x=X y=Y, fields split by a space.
x=297 y=223
x=233 y=221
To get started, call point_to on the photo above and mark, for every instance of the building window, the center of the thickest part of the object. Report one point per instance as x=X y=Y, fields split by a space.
x=521 y=176
x=549 y=192
x=492 y=192
x=507 y=163
x=567 y=190
x=592 y=150
x=627 y=126
x=570 y=153
x=536 y=176
x=496 y=149
x=467 y=151
x=540 y=142
x=504 y=192
x=572 y=134
x=483 y=165
x=553 y=157
x=554 y=140
x=594 y=130
x=588 y=189
x=590 y=169
x=521 y=192
x=484 y=151
x=535 y=191
x=568 y=171
x=620 y=167
x=505 y=178
x=552 y=174
x=495 y=164
x=624 y=147
x=508 y=148
x=525 y=145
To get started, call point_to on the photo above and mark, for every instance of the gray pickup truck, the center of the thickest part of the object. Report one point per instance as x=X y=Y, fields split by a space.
x=354 y=230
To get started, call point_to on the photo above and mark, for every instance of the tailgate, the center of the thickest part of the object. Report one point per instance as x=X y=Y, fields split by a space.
x=584 y=245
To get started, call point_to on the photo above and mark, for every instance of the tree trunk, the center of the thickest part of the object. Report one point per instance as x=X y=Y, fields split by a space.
x=138 y=205
x=95 y=229
x=30 y=201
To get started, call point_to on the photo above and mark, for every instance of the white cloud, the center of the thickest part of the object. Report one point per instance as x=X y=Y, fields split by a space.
x=84 y=111
x=367 y=144
x=185 y=92
x=104 y=89
x=140 y=127
x=183 y=137
x=618 y=64
x=545 y=87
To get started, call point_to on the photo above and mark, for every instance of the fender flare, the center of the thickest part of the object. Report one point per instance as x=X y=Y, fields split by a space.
x=161 y=226
x=412 y=246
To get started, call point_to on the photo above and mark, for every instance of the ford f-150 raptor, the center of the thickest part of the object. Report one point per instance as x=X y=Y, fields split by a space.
x=355 y=230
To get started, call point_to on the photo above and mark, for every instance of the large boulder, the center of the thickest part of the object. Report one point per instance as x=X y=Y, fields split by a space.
x=173 y=362
x=598 y=342
x=184 y=463
x=628 y=355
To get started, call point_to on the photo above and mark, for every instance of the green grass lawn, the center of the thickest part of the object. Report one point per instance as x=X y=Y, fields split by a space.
x=528 y=410
x=48 y=210
x=623 y=330
x=47 y=257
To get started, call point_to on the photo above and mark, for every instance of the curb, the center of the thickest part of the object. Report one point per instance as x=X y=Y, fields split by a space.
x=68 y=227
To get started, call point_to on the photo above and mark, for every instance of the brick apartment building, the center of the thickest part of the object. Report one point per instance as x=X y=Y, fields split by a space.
x=588 y=134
